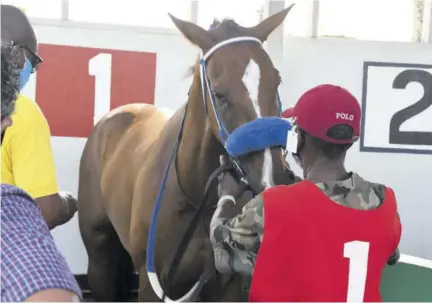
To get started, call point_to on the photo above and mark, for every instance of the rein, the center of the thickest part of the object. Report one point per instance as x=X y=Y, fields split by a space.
x=234 y=166
x=208 y=271
x=199 y=211
x=179 y=137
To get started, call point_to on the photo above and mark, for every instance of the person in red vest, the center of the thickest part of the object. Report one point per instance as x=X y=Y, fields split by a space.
x=326 y=238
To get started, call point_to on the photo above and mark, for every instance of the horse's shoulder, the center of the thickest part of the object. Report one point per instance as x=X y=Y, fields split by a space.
x=167 y=112
x=130 y=109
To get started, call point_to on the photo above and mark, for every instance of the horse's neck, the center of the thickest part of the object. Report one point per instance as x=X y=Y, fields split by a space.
x=199 y=149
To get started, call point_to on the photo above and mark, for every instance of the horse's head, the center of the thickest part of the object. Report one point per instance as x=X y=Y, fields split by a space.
x=240 y=84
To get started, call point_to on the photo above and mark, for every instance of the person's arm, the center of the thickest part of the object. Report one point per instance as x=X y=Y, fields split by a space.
x=57 y=209
x=34 y=270
x=236 y=239
x=33 y=165
x=394 y=258
x=53 y=295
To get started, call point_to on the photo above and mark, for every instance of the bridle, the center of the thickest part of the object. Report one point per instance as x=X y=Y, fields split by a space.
x=223 y=130
x=206 y=86
x=233 y=166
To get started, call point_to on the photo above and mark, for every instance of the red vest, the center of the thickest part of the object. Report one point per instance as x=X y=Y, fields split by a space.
x=316 y=250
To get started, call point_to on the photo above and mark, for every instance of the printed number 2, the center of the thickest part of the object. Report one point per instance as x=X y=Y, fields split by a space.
x=357 y=252
x=411 y=137
x=100 y=68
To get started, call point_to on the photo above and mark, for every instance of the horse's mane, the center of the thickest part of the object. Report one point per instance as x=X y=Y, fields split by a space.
x=216 y=23
x=228 y=22
x=228 y=25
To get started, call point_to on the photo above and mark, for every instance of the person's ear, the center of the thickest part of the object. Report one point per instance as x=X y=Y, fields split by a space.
x=301 y=137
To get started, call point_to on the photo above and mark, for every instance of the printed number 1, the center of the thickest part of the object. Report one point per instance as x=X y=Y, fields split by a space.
x=357 y=252
x=100 y=68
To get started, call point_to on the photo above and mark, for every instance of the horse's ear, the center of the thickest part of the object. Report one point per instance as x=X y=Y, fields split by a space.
x=194 y=33
x=267 y=26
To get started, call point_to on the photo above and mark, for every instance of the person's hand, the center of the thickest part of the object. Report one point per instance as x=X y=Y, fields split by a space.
x=71 y=205
x=227 y=184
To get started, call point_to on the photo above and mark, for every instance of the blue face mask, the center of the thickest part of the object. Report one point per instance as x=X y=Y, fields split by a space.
x=25 y=73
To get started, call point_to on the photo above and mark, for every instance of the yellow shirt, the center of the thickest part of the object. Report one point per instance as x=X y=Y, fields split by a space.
x=26 y=155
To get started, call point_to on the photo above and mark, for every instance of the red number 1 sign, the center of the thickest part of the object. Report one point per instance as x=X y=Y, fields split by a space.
x=76 y=86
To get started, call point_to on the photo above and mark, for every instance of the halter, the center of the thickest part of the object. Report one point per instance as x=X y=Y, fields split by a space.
x=205 y=85
x=224 y=134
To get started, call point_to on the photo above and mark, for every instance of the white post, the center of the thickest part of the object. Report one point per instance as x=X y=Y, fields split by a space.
x=65 y=10
x=315 y=10
x=275 y=43
x=427 y=22
x=417 y=25
x=193 y=5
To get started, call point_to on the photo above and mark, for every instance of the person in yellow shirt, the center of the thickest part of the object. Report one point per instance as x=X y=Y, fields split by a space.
x=31 y=272
x=26 y=154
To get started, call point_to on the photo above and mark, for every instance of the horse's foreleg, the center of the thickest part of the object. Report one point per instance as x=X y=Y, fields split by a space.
x=101 y=271
x=109 y=269
x=109 y=265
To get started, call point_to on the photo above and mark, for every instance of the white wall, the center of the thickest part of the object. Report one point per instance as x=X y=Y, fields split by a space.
x=306 y=62
x=174 y=56
x=310 y=62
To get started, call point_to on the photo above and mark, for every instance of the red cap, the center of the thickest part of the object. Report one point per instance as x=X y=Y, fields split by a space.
x=323 y=107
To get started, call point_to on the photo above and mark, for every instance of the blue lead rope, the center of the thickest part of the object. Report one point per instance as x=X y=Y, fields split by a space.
x=151 y=242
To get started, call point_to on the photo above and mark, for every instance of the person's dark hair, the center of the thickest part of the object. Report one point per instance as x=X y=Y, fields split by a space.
x=331 y=150
x=9 y=79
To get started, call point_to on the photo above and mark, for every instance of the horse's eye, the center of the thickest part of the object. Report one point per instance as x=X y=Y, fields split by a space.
x=221 y=99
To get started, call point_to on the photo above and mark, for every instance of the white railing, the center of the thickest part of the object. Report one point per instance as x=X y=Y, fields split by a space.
x=421 y=262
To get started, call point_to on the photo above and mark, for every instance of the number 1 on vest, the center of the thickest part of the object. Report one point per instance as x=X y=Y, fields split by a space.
x=357 y=252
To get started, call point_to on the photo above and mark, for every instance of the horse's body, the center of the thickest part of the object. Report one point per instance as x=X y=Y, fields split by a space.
x=121 y=169
x=120 y=173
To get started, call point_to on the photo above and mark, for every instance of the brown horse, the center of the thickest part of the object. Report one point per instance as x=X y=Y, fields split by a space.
x=124 y=159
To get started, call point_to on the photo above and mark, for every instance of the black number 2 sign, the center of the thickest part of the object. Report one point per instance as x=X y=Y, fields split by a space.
x=397 y=108
x=412 y=137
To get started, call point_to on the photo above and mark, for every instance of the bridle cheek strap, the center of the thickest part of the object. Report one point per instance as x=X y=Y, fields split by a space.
x=206 y=87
